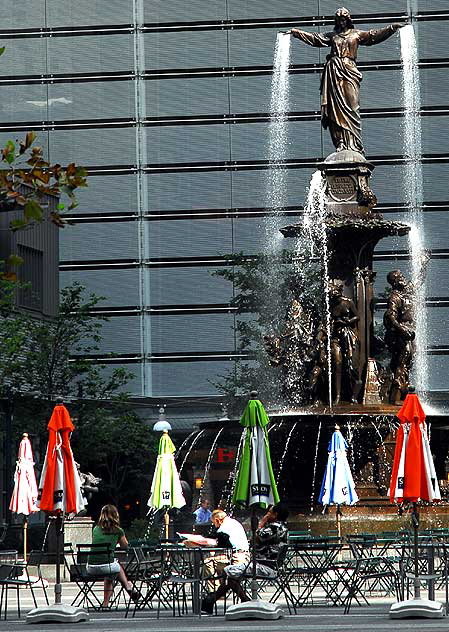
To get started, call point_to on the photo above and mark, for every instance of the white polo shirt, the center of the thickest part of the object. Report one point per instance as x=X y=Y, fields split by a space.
x=236 y=533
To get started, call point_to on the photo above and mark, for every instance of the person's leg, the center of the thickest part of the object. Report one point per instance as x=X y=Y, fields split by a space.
x=107 y=593
x=123 y=579
x=213 y=568
x=236 y=587
x=127 y=585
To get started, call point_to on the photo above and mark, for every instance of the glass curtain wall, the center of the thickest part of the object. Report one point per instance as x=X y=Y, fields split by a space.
x=166 y=104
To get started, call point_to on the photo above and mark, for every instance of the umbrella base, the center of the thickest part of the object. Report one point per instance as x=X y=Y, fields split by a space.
x=255 y=609
x=57 y=613
x=418 y=608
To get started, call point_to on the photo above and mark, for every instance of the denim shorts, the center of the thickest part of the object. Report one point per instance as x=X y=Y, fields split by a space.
x=111 y=568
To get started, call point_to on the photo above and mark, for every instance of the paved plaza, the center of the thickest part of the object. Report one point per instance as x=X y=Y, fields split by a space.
x=374 y=617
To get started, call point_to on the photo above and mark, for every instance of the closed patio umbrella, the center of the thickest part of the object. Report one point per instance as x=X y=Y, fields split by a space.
x=413 y=479
x=59 y=495
x=24 y=495
x=255 y=486
x=166 y=490
x=338 y=486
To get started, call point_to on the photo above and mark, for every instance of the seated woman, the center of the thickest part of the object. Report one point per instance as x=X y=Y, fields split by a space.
x=108 y=531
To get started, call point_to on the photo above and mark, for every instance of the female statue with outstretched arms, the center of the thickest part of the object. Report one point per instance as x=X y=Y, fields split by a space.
x=340 y=81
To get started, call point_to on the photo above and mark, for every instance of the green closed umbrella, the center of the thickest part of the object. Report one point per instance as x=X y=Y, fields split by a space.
x=166 y=490
x=255 y=483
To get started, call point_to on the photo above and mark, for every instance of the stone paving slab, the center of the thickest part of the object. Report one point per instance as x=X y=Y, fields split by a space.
x=309 y=619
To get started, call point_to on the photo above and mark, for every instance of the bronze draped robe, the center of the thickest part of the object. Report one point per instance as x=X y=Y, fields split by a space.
x=340 y=81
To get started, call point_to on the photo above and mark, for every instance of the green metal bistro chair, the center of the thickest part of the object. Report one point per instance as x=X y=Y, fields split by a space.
x=180 y=580
x=76 y=561
x=14 y=575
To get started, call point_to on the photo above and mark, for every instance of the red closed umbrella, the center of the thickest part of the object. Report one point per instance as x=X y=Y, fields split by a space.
x=60 y=495
x=413 y=475
x=413 y=478
x=60 y=485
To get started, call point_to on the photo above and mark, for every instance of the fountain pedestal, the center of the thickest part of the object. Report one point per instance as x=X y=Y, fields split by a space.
x=351 y=229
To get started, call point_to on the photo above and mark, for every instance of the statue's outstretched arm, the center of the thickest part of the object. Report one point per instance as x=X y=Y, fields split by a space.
x=312 y=39
x=376 y=36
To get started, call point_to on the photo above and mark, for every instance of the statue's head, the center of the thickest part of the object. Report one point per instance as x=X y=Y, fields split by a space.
x=343 y=19
x=336 y=287
x=396 y=279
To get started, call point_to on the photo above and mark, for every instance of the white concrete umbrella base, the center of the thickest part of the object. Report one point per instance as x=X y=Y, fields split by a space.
x=417 y=608
x=57 y=613
x=255 y=609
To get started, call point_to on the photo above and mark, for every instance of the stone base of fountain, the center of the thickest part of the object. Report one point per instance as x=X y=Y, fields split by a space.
x=299 y=448
x=375 y=516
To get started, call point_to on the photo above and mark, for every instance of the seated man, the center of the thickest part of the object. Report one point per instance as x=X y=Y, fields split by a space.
x=203 y=514
x=230 y=534
x=271 y=537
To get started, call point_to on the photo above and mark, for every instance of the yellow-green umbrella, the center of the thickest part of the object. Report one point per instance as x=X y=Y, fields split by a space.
x=166 y=490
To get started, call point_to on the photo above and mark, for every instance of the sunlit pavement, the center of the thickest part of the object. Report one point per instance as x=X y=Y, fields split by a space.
x=317 y=618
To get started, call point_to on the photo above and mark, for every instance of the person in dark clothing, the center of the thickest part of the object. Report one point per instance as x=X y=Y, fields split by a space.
x=271 y=537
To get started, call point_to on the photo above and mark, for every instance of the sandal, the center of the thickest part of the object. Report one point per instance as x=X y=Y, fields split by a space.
x=135 y=595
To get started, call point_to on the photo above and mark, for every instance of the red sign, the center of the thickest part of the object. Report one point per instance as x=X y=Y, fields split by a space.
x=225 y=455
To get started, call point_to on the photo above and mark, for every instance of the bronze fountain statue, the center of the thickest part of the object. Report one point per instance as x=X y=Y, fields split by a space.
x=340 y=81
x=339 y=337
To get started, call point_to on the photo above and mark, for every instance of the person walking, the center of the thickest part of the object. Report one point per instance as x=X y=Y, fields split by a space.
x=109 y=531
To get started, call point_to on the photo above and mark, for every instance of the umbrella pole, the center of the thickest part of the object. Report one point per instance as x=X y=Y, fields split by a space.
x=58 y=587
x=415 y=522
x=166 y=523
x=254 y=523
x=338 y=515
x=25 y=537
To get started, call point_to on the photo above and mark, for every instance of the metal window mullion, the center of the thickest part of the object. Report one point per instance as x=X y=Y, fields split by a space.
x=142 y=191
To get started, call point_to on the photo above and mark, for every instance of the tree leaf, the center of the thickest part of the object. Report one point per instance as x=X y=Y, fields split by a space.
x=14 y=260
x=33 y=210
x=16 y=224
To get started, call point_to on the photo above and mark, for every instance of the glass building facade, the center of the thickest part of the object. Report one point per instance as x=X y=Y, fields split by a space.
x=166 y=103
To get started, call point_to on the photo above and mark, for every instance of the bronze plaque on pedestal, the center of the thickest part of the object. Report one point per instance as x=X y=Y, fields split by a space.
x=342 y=188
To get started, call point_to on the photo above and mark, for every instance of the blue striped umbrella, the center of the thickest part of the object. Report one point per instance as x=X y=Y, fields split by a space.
x=338 y=486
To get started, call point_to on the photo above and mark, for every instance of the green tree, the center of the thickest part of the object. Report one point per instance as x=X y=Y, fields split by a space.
x=264 y=286
x=117 y=445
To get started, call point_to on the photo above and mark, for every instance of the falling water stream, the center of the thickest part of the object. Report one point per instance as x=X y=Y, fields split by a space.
x=232 y=477
x=315 y=463
x=276 y=192
x=184 y=443
x=281 y=462
x=189 y=450
x=413 y=190
x=315 y=229
x=276 y=195
x=209 y=460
